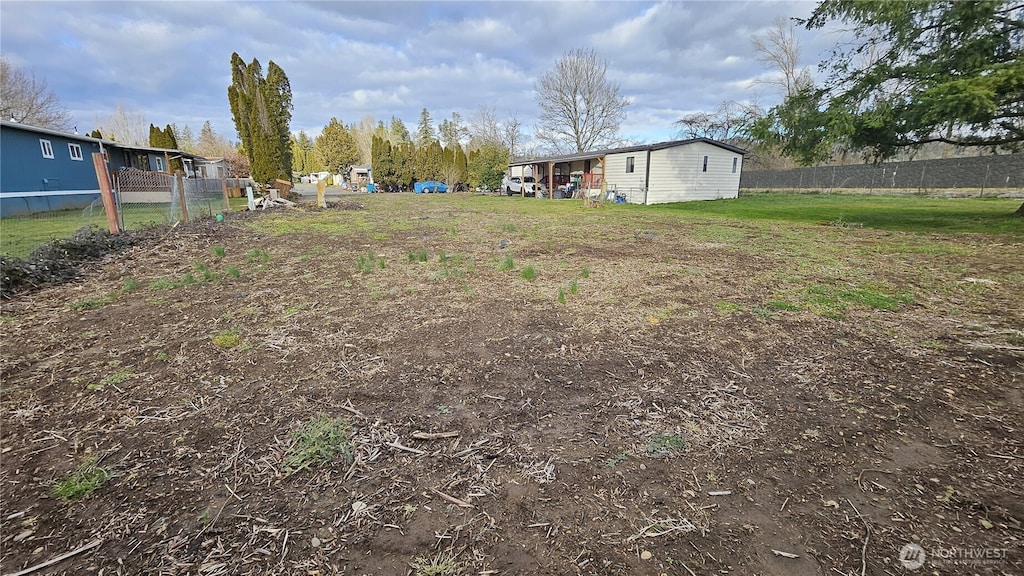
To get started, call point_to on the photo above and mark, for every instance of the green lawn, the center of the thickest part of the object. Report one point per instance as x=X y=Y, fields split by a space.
x=907 y=213
x=19 y=236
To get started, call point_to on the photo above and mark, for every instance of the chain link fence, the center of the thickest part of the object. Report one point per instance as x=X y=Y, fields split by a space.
x=142 y=199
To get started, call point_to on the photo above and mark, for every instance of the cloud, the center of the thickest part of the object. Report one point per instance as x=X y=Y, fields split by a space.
x=349 y=59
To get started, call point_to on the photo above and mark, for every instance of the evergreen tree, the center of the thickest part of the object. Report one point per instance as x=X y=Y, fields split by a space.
x=261 y=109
x=398 y=133
x=404 y=161
x=487 y=165
x=155 y=137
x=461 y=164
x=336 y=149
x=383 y=168
x=425 y=130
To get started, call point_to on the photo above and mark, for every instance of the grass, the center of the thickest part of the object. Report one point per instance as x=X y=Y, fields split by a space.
x=318 y=442
x=85 y=480
x=665 y=445
x=906 y=213
x=444 y=564
x=226 y=339
x=508 y=263
x=528 y=273
x=110 y=380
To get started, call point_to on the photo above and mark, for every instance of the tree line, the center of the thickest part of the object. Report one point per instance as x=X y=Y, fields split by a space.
x=912 y=75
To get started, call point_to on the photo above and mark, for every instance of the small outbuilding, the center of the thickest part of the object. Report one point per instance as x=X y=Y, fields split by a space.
x=675 y=171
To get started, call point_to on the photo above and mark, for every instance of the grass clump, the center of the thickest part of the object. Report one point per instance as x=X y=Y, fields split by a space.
x=218 y=251
x=507 y=264
x=418 y=256
x=81 y=483
x=227 y=339
x=528 y=273
x=664 y=445
x=318 y=442
x=257 y=256
x=367 y=262
x=444 y=564
x=90 y=303
x=110 y=380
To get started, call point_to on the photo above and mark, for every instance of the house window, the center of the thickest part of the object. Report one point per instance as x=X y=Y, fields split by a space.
x=76 y=151
x=46 y=147
x=159 y=164
x=630 y=163
x=735 y=161
x=705 y=168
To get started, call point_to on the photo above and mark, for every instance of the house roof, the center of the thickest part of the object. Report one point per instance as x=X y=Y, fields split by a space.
x=640 y=148
x=81 y=138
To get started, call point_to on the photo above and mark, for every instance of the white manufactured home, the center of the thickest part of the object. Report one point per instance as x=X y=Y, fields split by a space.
x=676 y=171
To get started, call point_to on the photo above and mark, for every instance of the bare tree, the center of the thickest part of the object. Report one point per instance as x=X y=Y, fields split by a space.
x=580 y=108
x=127 y=126
x=512 y=134
x=27 y=99
x=484 y=128
x=780 y=50
x=363 y=134
x=729 y=123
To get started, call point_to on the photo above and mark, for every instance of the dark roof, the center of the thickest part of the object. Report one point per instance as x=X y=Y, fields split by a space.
x=640 y=148
x=81 y=138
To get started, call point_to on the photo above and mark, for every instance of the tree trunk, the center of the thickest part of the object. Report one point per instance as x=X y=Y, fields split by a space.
x=1020 y=212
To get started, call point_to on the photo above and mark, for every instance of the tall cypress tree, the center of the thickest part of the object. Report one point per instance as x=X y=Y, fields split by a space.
x=262 y=111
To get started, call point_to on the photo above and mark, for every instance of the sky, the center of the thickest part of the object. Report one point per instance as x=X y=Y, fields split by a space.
x=170 y=60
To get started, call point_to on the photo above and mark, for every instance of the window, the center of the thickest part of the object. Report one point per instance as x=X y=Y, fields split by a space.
x=76 y=151
x=735 y=161
x=47 y=148
x=159 y=164
x=630 y=163
x=705 y=168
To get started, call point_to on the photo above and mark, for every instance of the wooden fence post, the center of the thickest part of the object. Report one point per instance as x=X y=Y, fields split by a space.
x=180 y=181
x=224 y=188
x=106 y=193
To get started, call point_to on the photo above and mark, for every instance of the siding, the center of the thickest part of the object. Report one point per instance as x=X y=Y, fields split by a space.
x=677 y=176
x=30 y=183
x=628 y=184
x=23 y=168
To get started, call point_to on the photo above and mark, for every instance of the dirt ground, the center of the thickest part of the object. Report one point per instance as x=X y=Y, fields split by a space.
x=666 y=396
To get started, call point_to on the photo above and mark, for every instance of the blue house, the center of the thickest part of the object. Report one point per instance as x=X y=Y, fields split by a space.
x=43 y=170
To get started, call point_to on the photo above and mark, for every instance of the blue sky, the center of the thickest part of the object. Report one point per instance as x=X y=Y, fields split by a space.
x=352 y=59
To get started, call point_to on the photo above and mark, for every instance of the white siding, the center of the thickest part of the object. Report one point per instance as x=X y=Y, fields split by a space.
x=677 y=174
x=629 y=184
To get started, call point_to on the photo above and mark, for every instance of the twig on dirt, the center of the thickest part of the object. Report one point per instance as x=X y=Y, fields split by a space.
x=233 y=493
x=452 y=499
x=351 y=409
x=398 y=446
x=433 y=435
x=60 y=558
x=784 y=554
x=663 y=527
x=861 y=475
x=720 y=493
x=867 y=535
x=784 y=504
